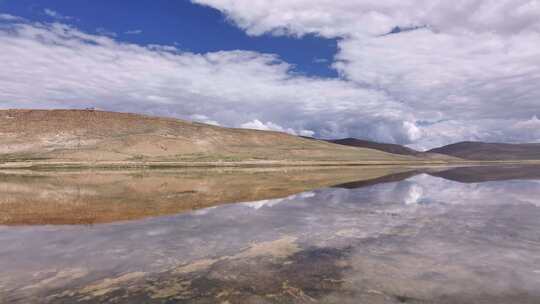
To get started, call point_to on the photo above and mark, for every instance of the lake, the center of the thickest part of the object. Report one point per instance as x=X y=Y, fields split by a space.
x=370 y=234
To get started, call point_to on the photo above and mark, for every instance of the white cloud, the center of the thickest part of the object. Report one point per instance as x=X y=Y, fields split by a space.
x=8 y=17
x=270 y=126
x=133 y=32
x=105 y=32
x=269 y=203
x=414 y=194
x=376 y=17
x=465 y=70
x=80 y=70
x=425 y=188
x=532 y=124
x=204 y=119
x=320 y=60
x=56 y=15
x=263 y=203
x=307 y=133
x=162 y=48
x=412 y=130
x=530 y=127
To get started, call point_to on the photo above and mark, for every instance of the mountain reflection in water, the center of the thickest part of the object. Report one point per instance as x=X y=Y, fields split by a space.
x=418 y=235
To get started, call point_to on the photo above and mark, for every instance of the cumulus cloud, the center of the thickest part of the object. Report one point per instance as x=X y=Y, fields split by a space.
x=55 y=65
x=422 y=73
x=466 y=69
x=204 y=119
x=531 y=127
x=377 y=17
x=270 y=126
x=8 y=17
x=105 y=32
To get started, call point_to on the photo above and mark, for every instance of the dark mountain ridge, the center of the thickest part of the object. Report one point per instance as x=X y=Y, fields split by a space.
x=467 y=150
x=490 y=151
x=390 y=148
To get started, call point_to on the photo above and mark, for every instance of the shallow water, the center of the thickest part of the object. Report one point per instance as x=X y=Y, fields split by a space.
x=339 y=235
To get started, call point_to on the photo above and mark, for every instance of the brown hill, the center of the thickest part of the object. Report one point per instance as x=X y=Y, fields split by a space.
x=88 y=135
x=491 y=151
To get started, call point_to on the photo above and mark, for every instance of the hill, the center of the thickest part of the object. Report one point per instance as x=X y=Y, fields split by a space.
x=92 y=136
x=390 y=148
x=490 y=151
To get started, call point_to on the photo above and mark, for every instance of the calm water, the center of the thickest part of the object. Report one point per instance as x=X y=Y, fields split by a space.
x=356 y=235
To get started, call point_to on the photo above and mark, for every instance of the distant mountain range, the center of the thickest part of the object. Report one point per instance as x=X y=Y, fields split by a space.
x=490 y=151
x=390 y=148
x=478 y=174
x=464 y=150
x=472 y=174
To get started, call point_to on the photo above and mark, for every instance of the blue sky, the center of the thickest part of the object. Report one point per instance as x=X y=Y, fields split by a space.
x=455 y=71
x=179 y=23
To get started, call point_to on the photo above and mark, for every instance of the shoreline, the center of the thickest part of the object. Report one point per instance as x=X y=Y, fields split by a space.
x=50 y=165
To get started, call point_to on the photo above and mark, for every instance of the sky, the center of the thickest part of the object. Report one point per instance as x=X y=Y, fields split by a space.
x=422 y=73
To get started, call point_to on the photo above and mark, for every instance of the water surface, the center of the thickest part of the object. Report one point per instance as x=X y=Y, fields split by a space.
x=336 y=235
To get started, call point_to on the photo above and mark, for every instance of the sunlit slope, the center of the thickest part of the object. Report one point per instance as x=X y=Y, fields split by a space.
x=86 y=135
